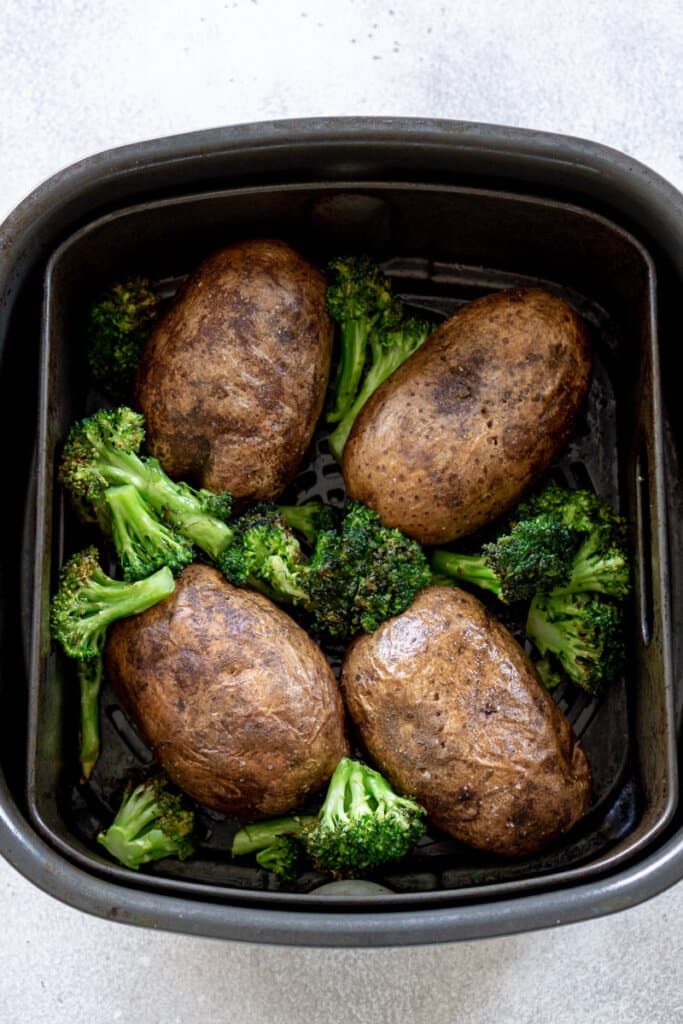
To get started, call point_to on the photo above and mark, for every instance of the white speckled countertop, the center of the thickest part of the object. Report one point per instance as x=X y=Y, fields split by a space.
x=79 y=76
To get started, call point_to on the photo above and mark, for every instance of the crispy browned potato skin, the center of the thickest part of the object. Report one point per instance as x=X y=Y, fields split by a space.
x=238 y=703
x=233 y=376
x=466 y=425
x=451 y=710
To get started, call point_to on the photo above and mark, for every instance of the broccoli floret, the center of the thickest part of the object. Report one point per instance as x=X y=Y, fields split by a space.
x=118 y=326
x=356 y=576
x=283 y=858
x=601 y=565
x=362 y=825
x=362 y=574
x=582 y=632
x=101 y=451
x=143 y=542
x=309 y=519
x=534 y=556
x=601 y=562
x=581 y=509
x=151 y=823
x=88 y=601
x=278 y=843
x=375 y=337
x=359 y=297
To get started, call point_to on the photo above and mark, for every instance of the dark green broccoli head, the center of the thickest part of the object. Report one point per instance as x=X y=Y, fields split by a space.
x=358 y=290
x=265 y=554
x=152 y=823
x=118 y=327
x=583 y=633
x=88 y=601
x=580 y=509
x=363 y=574
x=362 y=824
x=535 y=556
x=601 y=563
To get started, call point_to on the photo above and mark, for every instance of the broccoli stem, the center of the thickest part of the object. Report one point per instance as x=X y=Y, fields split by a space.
x=354 y=343
x=334 y=808
x=468 y=568
x=116 y=599
x=262 y=834
x=384 y=361
x=89 y=672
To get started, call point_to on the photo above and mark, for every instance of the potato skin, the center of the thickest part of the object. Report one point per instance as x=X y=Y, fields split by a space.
x=233 y=376
x=466 y=425
x=451 y=710
x=237 y=702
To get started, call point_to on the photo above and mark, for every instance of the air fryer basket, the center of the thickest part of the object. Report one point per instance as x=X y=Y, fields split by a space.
x=444 y=238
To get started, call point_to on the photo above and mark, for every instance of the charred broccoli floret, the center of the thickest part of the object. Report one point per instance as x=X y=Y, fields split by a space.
x=534 y=556
x=601 y=562
x=86 y=603
x=101 y=451
x=119 y=323
x=362 y=825
x=582 y=633
x=363 y=573
x=357 y=575
x=375 y=338
x=152 y=822
x=278 y=843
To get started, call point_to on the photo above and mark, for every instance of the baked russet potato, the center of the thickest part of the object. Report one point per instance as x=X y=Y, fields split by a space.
x=237 y=702
x=233 y=376
x=451 y=710
x=457 y=434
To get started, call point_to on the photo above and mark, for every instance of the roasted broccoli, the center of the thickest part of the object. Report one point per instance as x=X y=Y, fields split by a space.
x=601 y=562
x=86 y=603
x=143 y=542
x=359 y=297
x=279 y=843
x=101 y=451
x=362 y=825
x=357 y=575
x=151 y=823
x=362 y=574
x=375 y=336
x=118 y=326
x=533 y=556
x=265 y=554
x=582 y=633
